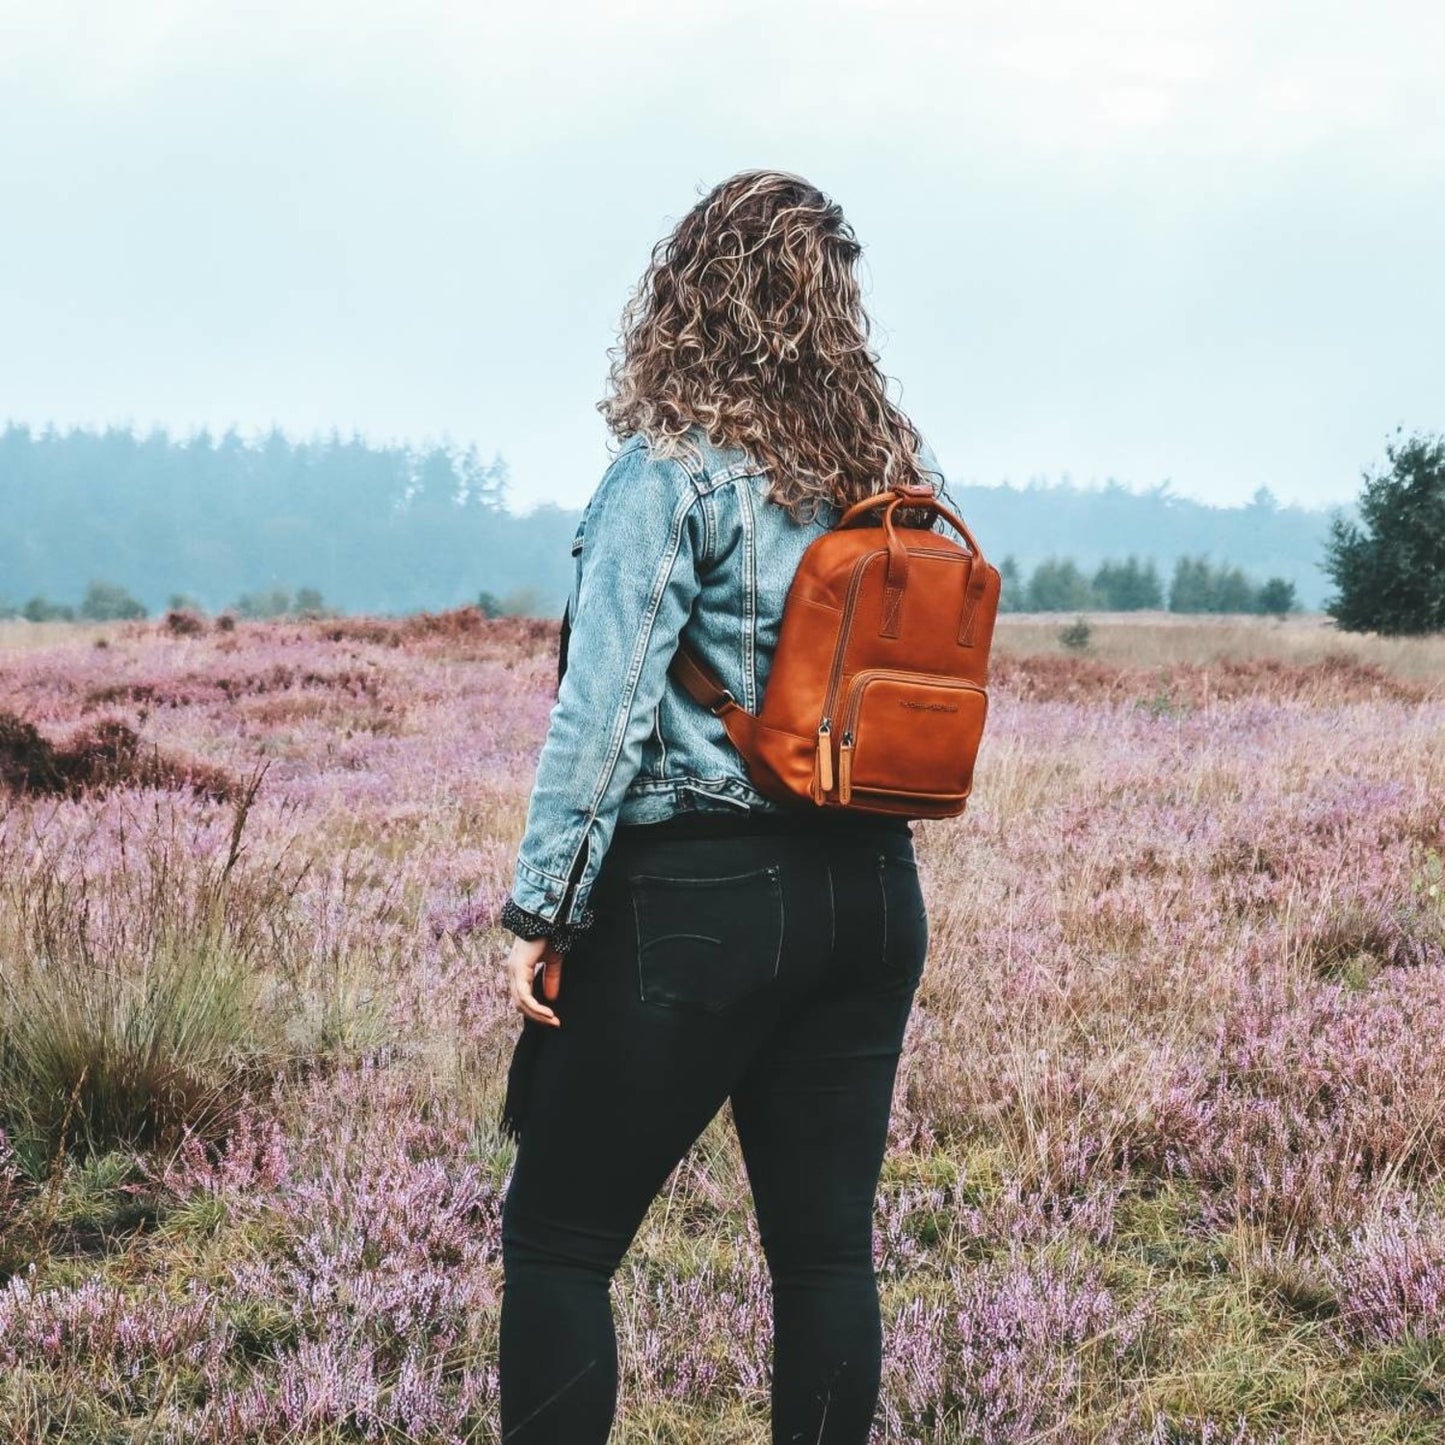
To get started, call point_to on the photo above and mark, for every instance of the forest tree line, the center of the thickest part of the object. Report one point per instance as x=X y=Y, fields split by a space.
x=92 y=517
x=1131 y=585
x=1056 y=585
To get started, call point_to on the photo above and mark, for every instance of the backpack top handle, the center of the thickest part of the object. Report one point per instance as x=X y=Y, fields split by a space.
x=913 y=494
x=916 y=494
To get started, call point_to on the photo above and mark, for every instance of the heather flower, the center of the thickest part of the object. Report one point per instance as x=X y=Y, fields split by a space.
x=1185 y=968
x=1000 y=1355
x=1388 y=1278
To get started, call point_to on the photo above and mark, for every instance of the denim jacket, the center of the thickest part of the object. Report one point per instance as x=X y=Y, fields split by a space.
x=663 y=543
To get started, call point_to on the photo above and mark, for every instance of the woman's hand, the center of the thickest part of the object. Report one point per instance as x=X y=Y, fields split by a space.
x=522 y=963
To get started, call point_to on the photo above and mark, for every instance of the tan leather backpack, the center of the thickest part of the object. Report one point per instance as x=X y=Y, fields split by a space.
x=876 y=697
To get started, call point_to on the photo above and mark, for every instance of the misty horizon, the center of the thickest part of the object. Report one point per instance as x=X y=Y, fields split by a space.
x=1198 y=242
x=254 y=436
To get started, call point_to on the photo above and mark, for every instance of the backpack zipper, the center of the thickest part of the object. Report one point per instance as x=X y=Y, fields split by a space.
x=824 y=767
x=825 y=757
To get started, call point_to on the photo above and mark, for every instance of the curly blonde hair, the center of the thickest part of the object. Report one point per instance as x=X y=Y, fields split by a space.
x=749 y=323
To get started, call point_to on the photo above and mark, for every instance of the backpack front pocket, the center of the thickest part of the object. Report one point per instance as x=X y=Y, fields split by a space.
x=909 y=735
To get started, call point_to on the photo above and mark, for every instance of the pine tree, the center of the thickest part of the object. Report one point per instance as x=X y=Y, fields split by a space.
x=1390 y=569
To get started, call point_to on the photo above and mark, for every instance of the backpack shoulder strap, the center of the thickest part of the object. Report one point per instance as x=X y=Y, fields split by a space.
x=703 y=686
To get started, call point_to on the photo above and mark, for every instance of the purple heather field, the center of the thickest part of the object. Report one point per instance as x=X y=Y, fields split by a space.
x=1167 y=1161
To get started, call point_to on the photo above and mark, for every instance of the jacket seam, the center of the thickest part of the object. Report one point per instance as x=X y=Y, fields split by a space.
x=711 y=482
x=709 y=529
x=639 y=656
x=538 y=876
x=750 y=594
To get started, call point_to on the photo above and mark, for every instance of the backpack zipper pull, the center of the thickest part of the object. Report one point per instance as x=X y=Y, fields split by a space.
x=825 y=756
x=845 y=768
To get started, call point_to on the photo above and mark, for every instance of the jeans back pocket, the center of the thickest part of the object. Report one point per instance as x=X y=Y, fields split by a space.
x=706 y=942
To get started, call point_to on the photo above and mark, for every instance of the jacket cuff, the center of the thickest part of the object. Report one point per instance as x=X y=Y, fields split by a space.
x=527 y=925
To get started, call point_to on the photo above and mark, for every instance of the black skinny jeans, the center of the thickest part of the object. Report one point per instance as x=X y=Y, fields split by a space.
x=772 y=969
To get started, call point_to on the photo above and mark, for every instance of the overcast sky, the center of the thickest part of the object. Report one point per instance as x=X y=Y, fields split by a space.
x=1201 y=242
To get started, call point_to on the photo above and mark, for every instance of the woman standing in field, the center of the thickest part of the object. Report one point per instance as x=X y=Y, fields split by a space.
x=719 y=945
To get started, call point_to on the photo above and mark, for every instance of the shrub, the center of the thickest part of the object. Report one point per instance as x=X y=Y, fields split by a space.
x=1276 y=597
x=1076 y=635
x=1128 y=586
x=1059 y=586
x=281 y=602
x=1013 y=594
x=309 y=603
x=525 y=601
x=106 y=602
x=185 y=623
x=1198 y=587
x=1232 y=591
x=274 y=602
x=41 y=609
x=104 y=754
x=1192 y=586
